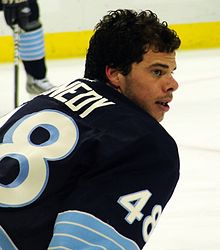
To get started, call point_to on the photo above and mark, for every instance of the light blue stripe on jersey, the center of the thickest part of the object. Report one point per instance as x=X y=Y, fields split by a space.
x=80 y=230
x=5 y=241
x=31 y=45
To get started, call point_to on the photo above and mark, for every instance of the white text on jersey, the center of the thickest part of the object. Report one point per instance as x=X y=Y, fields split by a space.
x=77 y=101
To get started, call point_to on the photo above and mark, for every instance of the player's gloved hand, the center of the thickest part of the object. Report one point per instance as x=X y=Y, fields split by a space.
x=18 y=12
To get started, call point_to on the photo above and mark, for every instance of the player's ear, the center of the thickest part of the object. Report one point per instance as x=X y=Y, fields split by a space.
x=115 y=77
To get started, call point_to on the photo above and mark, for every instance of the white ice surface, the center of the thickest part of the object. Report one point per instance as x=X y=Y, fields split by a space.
x=191 y=220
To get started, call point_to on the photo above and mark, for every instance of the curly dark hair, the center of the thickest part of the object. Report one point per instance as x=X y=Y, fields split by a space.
x=122 y=37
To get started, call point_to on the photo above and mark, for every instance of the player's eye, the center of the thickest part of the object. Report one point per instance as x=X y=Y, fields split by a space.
x=157 y=72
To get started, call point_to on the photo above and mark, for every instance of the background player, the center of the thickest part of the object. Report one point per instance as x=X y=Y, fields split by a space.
x=25 y=13
x=87 y=165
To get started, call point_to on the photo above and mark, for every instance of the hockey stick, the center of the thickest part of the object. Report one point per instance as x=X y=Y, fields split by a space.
x=16 y=31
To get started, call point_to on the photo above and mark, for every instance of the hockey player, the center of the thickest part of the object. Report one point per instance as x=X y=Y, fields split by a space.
x=87 y=165
x=25 y=13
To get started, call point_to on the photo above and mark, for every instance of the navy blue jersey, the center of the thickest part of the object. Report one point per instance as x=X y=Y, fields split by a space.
x=83 y=167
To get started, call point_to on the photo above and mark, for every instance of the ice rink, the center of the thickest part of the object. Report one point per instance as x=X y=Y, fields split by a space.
x=191 y=220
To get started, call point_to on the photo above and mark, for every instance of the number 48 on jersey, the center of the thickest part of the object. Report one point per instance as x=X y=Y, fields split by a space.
x=134 y=203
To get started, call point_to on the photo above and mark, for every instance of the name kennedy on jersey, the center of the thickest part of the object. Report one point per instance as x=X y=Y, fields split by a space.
x=78 y=96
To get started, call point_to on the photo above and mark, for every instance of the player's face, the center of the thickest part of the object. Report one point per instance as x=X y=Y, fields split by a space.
x=150 y=83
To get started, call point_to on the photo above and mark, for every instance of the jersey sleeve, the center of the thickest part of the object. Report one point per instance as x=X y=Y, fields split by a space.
x=119 y=199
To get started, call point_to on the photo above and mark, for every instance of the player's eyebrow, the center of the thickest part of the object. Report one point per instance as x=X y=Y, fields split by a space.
x=160 y=65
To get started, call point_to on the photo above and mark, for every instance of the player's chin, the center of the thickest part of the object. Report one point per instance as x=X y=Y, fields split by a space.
x=160 y=119
x=158 y=116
